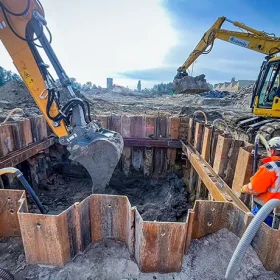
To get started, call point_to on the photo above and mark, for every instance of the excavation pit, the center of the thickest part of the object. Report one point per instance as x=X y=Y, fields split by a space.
x=85 y=232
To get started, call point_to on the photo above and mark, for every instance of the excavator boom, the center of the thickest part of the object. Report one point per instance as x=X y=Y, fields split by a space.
x=22 y=31
x=249 y=38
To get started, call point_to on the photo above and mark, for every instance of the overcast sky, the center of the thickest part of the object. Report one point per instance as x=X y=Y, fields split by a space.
x=148 y=39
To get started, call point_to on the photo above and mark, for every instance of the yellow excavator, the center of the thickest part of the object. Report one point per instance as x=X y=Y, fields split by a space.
x=22 y=31
x=266 y=93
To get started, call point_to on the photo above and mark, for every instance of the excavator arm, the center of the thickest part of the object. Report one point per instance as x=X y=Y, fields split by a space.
x=250 y=38
x=22 y=31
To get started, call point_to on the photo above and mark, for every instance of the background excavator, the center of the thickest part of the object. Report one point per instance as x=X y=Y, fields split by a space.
x=265 y=102
x=22 y=31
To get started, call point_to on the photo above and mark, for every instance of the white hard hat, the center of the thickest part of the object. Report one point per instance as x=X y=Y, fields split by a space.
x=274 y=143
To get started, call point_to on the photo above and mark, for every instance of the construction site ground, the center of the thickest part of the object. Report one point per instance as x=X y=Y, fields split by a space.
x=207 y=259
x=14 y=94
x=163 y=199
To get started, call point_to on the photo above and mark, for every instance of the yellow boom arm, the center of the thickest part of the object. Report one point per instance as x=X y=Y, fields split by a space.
x=252 y=39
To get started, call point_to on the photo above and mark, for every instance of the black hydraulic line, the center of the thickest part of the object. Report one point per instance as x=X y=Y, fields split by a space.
x=16 y=14
x=37 y=26
x=29 y=189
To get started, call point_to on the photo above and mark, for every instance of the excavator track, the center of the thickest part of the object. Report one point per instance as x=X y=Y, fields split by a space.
x=270 y=130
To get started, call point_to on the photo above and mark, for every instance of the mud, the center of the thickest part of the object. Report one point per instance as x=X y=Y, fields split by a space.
x=207 y=258
x=156 y=199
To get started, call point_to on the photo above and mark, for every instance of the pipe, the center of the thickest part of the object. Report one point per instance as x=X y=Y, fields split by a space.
x=203 y=114
x=256 y=149
x=27 y=187
x=247 y=238
x=223 y=121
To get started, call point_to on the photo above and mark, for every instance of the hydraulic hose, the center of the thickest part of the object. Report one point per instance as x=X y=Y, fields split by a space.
x=28 y=188
x=247 y=238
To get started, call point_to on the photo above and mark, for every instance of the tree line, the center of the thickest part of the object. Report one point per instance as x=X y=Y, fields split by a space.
x=7 y=76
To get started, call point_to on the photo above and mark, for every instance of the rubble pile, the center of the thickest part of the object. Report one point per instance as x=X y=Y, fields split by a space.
x=242 y=99
x=190 y=84
x=215 y=94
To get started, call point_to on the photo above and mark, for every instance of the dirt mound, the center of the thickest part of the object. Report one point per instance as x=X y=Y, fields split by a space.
x=242 y=99
x=15 y=94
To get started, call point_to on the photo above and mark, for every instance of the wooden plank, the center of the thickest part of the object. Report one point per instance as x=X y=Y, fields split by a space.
x=138 y=126
x=221 y=155
x=159 y=246
x=184 y=128
x=149 y=152
x=38 y=128
x=9 y=205
x=115 y=123
x=6 y=140
x=148 y=162
x=191 y=130
x=174 y=130
x=161 y=126
x=126 y=126
x=205 y=151
x=232 y=161
x=150 y=126
x=127 y=151
x=198 y=136
x=218 y=189
x=243 y=170
x=137 y=129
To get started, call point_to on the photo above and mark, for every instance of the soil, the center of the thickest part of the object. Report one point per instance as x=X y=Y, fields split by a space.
x=156 y=199
x=207 y=258
x=14 y=94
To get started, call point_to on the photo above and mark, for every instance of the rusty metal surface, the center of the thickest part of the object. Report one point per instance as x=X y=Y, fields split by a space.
x=156 y=246
x=159 y=246
x=9 y=205
x=218 y=189
x=148 y=142
x=23 y=154
x=56 y=239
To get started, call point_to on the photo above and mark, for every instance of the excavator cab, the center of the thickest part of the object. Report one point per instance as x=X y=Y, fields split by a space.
x=266 y=97
x=22 y=31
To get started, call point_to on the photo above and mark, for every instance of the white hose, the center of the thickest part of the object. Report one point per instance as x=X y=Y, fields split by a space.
x=249 y=234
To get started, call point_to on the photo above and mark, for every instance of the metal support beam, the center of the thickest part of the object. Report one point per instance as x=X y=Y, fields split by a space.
x=148 y=142
x=16 y=157
x=218 y=189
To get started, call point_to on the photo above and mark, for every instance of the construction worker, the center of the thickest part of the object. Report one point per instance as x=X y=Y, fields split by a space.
x=265 y=184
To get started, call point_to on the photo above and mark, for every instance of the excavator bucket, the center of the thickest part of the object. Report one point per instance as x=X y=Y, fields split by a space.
x=189 y=84
x=99 y=154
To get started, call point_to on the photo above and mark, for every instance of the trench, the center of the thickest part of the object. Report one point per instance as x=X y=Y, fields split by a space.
x=66 y=182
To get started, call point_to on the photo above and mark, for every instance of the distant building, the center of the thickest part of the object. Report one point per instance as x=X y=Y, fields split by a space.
x=109 y=83
x=233 y=85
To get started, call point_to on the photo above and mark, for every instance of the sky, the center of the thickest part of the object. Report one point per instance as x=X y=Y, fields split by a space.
x=147 y=40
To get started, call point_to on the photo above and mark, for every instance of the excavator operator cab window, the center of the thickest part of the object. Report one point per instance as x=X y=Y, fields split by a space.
x=270 y=87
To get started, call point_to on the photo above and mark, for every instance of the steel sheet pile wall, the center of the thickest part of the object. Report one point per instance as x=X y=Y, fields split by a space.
x=156 y=246
x=20 y=141
x=148 y=142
